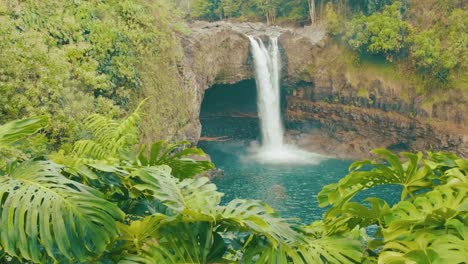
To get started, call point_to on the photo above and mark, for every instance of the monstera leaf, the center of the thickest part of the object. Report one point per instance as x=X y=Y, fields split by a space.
x=43 y=213
x=196 y=197
x=432 y=211
x=412 y=175
x=178 y=242
x=332 y=250
x=354 y=214
x=259 y=218
x=451 y=168
x=430 y=229
x=434 y=248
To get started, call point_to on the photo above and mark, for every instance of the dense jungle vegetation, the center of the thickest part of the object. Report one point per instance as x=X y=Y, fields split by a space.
x=81 y=183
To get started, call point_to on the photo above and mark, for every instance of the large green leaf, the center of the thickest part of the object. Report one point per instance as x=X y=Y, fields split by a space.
x=412 y=175
x=259 y=218
x=332 y=250
x=44 y=213
x=432 y=211
x=195 y=197
x=196 y=200
x=354 y=214
x=15 y=130
x=451 y=168
x=184 y=160
x=426 y=248
x=178 y=242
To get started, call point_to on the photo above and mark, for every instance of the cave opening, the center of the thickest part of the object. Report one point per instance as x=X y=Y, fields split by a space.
x=229 y=112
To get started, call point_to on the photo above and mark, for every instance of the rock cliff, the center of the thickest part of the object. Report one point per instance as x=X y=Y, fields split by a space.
x=357 y=112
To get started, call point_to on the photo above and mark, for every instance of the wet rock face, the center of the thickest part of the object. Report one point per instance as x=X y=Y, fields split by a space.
x=359 y=130
x=371 y=94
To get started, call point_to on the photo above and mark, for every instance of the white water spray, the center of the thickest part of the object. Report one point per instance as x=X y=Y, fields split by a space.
x=267 y=63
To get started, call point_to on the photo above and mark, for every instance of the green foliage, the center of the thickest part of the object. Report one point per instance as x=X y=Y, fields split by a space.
x=428 y=225
x=113 y=143
x=411 y=175
x=441 y=50
x=54 y=213
x=207 y=227
x=332 y=20
x=14 y=133
x=181 y=163
x=202 y=8
x=380 y=33
x=45 y=214
x=428 y=39
x=66 y=60
x=166 y=219
x=295 y=11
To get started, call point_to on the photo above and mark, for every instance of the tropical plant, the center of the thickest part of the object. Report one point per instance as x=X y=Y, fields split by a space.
x=51 y=212
x=427 y=225
x=16 y=130
x=67 y=60
x=44 y=214
x=178 y=156
x=114 y=143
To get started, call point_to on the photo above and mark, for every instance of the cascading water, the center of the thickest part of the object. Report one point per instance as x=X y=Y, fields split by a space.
x=267 y=67
x=267 y=63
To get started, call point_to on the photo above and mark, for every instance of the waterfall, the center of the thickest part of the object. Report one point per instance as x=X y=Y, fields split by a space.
x=268 y=67
x=267 y=62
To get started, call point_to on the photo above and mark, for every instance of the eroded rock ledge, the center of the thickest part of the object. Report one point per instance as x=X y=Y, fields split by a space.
x=350 y=131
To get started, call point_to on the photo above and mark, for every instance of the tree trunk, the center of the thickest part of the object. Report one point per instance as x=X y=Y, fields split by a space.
x=312 y=11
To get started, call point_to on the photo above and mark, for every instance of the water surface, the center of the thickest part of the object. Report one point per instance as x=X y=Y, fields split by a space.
x=290 y=189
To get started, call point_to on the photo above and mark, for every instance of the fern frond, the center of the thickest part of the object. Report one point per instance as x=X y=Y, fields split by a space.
x=102 y=127
x=90 y=149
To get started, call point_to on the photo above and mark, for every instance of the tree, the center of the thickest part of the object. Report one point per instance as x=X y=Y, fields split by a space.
x=380 y=33
x=332 y=20
x=312 y=11
x=268 y=9
x=202 y=8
